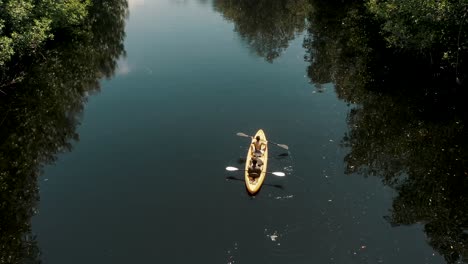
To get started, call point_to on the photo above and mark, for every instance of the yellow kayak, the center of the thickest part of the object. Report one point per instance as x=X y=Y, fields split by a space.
x=253 y=182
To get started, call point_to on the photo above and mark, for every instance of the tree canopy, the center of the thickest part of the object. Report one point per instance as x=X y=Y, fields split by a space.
x=27 y=25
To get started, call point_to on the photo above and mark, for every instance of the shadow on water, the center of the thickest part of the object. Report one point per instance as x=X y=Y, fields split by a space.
x=40 y=114
x=408 y=119
x=232 y=178
x=241 y=161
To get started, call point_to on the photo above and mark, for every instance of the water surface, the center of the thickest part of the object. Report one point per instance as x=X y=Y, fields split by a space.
x=146 y=180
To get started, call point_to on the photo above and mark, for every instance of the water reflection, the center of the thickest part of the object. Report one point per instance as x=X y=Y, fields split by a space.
x=133 y=4
x=39 y=116
x=266 y=26
x=407 y=125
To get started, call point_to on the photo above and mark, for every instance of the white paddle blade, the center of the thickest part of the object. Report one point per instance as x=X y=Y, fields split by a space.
x=279 y=173
x=242 y=134
x=283 y=146
x=232 y=169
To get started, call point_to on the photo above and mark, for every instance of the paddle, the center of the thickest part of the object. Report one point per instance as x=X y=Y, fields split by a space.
x=279 y=145
x=276 y=173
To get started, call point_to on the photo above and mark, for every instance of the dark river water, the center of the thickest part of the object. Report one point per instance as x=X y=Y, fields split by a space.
x=146 y=180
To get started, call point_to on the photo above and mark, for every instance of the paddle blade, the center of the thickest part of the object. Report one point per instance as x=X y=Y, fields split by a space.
x=283 y=146
x=279 y=173
x=242 y=134
x=232 y=169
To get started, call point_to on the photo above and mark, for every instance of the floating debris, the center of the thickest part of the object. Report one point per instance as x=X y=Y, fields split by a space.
x=284 y=197
x=273 y=237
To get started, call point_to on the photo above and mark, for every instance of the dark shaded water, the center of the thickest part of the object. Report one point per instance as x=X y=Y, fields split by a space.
x=145 y=182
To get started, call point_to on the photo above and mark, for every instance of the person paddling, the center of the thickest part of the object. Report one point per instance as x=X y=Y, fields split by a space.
x=255 y=167
x=258 y=147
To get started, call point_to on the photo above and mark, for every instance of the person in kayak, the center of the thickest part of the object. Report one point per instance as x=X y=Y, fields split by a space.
x=258 y=147
x=255 y=167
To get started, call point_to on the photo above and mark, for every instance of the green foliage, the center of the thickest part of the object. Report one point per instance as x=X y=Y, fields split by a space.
x=32 y=38
x=422 y=25
x=26 y=25
x=70 y=13
x=6 y=49
x=18 y=13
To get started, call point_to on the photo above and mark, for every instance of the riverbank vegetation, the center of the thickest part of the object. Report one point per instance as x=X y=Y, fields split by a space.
x=54 y=53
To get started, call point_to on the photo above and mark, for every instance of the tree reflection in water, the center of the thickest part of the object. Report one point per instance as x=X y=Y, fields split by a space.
x=266 y=26
x=40 y=113
x=407 y=124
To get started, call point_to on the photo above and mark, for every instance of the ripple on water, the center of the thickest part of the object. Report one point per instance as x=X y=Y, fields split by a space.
x=284 y=197
x=231 y=254
x=279 y=242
